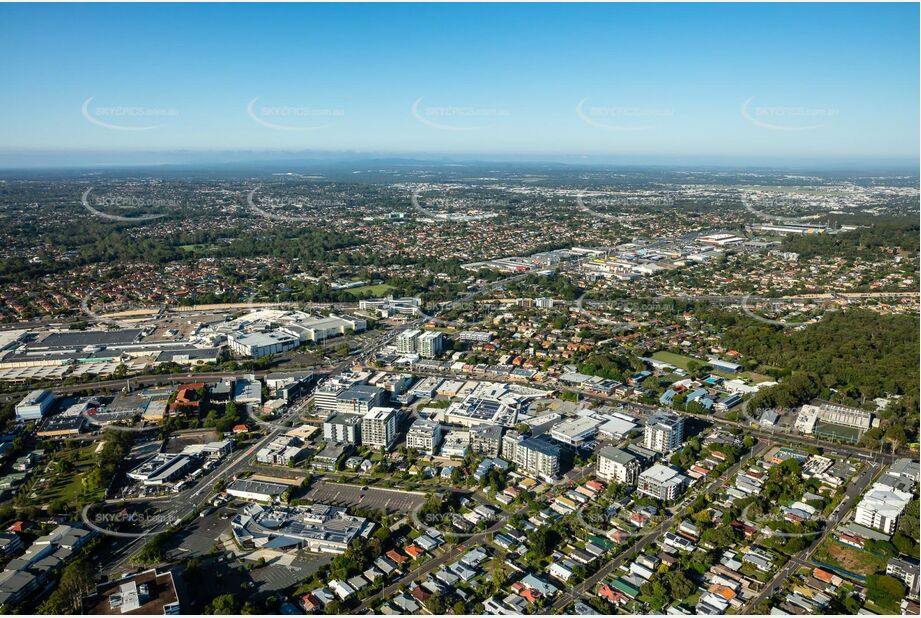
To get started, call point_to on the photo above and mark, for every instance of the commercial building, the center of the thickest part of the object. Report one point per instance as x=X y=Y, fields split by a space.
x=576 y=431
x=258 y=345
x=664 y=432
x=148 y=593
x=616 y=465
x=247 y=390
x=359 y=399
x=325 y=398
x=34 y=405
x=163 y=468
x=258 y=491
x=319 y=528
x=424 y=435
x=319 y=329
x=379 y=427
x=833 y=421
x=345 y=428
x=288 y=386
x=389 y=306
x=282 y=451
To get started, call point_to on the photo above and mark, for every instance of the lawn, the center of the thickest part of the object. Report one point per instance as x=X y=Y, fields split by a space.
x=370 y=290
x=851 y=559
x=678 y=360
x=68 y=487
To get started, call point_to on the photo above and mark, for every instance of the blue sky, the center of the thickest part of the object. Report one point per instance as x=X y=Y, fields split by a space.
x=745 y=83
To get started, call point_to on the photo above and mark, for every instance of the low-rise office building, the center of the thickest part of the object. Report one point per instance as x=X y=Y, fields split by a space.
x=34 y=405
x=318 y=528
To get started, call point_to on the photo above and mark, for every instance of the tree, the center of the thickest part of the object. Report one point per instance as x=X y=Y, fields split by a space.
x=76 y=582
x=679 y=585
x=224 y=604
x=886 y=591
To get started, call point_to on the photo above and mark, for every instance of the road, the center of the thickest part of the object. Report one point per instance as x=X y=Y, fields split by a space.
x=452 y=554
x=774 y=436
x=801 y=559
x=593 y=580
x=193 y=499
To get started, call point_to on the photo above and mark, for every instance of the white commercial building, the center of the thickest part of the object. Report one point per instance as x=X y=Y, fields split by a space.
x=576 y=431
x=258 y=345
x=34 y=405
x=257 y=491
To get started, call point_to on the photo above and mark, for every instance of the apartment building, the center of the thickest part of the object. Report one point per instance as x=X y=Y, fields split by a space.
x=486 y=439
x=359 y=399
x=379 y=427
x=881 y=508
x=430 y=344
x=424 y=435
x=661 y=482
x=344 y=428
x=617 y=466
x=535 y=457
x=407 y=341
x=664 y=432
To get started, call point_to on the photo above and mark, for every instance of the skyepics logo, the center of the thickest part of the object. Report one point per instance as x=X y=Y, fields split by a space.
x=456 y=118
x=458 y=210
x=786 y=118
x=272 y=214
x=756 y=308
x=124 y=202
x=621 y=118
x=767 y=208
x=459 y=525
x=126 y=523
x=799 y=520
x=632 y=205
x=292 y=118
x=126 y=118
